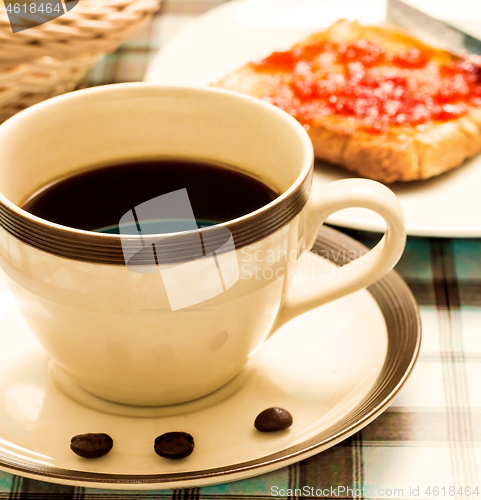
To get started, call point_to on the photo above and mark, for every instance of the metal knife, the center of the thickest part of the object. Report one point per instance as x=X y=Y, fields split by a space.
x=431 y=30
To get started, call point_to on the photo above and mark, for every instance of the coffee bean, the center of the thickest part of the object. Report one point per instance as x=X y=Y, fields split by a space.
x=174 y=445
x=273 y=419
x=91 y=445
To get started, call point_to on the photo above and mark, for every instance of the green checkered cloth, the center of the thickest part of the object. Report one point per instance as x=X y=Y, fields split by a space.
x=429 y=437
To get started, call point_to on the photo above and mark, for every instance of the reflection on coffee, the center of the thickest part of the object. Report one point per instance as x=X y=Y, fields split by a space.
x=95 y=199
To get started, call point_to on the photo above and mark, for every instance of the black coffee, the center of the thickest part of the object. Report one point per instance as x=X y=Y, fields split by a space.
x=96 y=199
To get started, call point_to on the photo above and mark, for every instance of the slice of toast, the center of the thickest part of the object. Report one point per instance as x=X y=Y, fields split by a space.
x=374 y=100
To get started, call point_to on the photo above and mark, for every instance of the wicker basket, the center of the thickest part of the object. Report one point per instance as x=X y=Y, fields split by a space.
x=54 y=57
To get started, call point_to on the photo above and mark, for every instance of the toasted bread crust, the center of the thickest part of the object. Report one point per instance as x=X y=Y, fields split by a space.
x=405 y=154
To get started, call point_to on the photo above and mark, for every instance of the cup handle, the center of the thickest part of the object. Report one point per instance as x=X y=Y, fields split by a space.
x=365 y=270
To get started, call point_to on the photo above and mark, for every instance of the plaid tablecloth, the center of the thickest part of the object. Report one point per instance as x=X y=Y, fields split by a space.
x=427 y=445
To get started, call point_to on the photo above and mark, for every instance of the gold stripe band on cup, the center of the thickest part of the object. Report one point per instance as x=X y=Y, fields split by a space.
x=104 y=248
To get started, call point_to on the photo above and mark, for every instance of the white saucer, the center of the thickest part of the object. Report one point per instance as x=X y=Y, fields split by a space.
x=335 y=369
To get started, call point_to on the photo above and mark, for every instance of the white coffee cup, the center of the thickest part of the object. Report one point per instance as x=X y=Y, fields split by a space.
x=113 y=331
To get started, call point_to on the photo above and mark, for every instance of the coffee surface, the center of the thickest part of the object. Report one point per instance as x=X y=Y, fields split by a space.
x=95 y=199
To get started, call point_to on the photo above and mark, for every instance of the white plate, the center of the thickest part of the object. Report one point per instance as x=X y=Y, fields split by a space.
x=335 y=369
x=227 y=37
